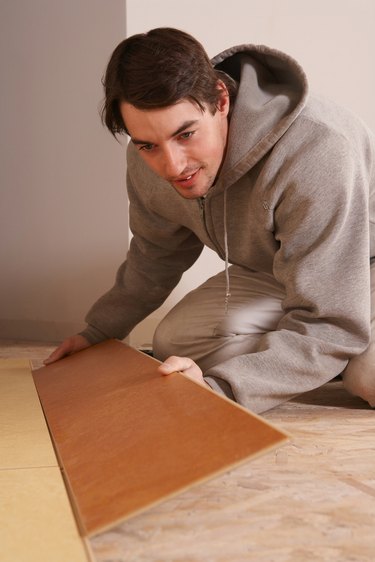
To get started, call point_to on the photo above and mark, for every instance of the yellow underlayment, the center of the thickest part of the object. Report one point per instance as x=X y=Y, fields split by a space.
x=36 y=519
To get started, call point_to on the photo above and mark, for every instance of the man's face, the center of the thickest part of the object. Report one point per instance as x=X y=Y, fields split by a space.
x=180 y=143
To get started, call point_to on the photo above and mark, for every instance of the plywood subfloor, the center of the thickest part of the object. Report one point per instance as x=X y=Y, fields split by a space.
x=128 y=437
x=311 y=501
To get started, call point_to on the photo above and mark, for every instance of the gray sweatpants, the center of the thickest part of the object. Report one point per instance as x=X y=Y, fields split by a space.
x=198 y=326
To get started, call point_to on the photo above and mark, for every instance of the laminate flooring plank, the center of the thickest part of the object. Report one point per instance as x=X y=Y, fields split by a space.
x=128 y=437
x=24 y=437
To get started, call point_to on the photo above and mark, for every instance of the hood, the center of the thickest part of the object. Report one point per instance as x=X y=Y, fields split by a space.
x=272 y=91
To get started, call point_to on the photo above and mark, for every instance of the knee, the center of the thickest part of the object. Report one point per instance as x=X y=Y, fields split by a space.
x=359 y=376
x=166 y=338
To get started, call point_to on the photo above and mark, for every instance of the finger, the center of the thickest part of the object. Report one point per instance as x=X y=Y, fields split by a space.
x=174 y=363
x=183 y=364
x=55 y=356
x=65 y=348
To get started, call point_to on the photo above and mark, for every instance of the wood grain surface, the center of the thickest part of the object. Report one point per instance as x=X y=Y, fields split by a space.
x=128 y=437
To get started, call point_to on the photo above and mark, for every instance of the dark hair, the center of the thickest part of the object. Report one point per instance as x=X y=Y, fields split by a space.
x=158 y=69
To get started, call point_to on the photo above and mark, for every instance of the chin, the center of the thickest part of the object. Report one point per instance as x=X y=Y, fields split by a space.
x=187 y=195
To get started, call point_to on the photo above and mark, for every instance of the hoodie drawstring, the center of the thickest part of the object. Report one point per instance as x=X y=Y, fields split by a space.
x=227 y=289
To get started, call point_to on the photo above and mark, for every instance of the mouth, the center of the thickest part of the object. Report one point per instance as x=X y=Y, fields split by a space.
x=186 y=181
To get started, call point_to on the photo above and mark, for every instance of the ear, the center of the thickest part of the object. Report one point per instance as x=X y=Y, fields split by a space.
x=223 y=102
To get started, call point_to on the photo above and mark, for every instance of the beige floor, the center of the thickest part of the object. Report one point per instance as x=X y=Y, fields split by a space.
x=311 y=500
x=36 y=519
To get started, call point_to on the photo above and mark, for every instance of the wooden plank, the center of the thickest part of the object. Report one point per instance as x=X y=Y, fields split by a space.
x=128 y=438
x=24 y=437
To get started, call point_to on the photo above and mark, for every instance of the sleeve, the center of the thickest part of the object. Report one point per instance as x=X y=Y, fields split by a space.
x=321 y=224
x=160 y=251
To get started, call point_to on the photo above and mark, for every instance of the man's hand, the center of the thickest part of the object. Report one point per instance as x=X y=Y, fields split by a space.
x=184 y=365
x=68 y=347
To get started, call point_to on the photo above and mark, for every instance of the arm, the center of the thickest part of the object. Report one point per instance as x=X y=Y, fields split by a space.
x=143 y=282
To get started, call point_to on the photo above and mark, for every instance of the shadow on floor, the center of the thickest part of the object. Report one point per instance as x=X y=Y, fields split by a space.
x=332 y=394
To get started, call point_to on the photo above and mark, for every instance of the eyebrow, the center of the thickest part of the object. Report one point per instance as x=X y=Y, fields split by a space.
x=182 y=128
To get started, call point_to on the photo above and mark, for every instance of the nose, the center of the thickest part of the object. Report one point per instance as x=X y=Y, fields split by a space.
x=173 y=162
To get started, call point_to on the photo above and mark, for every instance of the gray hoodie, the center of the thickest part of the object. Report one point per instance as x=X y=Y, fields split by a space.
x=299 y=179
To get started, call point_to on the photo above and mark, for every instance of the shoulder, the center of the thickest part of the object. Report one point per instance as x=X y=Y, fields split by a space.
x=326 y=138
x=335 y=126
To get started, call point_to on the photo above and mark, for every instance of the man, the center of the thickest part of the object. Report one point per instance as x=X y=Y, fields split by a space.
x=234 y=154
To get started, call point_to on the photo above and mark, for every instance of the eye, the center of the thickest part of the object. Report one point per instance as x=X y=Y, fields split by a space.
x=147 y=147
x=187 y=135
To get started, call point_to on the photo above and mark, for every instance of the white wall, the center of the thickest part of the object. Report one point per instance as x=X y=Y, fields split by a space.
x=334 y=40
x=63 y=209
